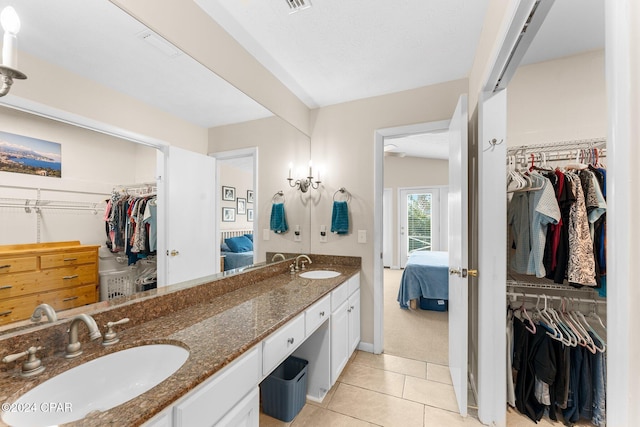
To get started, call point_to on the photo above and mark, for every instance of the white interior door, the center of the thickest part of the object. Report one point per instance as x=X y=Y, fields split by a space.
x=186 y=248
x=458 y=252
x=492 y=257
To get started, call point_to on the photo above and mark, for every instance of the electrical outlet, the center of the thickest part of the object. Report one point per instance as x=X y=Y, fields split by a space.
x=323 y=234
x=362 y=236
x=297 y=237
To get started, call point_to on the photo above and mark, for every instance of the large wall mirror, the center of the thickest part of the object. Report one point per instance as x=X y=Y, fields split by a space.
x=96 y=41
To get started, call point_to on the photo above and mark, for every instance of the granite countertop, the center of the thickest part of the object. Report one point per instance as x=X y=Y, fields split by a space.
x=215 y=332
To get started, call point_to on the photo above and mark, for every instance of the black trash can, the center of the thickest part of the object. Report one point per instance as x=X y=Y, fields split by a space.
x=284 y=392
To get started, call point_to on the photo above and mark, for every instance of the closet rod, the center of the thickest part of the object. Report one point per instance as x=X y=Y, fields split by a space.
x=555 y=297
x=561 y=146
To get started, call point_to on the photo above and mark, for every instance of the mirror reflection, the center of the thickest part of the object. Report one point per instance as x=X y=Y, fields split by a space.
x=94 y=165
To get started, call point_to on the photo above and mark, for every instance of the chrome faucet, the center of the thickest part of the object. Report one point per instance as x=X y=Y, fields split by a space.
x=73 y=348
x=47 y=310
x=298 y=259
x=280 y=256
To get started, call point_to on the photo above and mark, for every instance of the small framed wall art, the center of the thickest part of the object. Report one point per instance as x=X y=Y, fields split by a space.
x=228 y=193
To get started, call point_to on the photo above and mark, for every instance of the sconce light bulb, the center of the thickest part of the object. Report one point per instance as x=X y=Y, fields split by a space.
x=10 y=21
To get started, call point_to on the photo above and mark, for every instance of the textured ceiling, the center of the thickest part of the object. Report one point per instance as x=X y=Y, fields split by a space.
x=333 y=52
x=337 y=51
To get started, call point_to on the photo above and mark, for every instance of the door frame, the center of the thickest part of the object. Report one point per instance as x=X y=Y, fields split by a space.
x=378 y=173
x=251 y=152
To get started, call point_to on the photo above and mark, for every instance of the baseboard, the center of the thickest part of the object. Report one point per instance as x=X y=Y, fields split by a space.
x=365 y=346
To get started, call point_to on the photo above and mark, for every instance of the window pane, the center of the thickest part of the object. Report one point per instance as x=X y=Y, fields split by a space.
x=419 y=210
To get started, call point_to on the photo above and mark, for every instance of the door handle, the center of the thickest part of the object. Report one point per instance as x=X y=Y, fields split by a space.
x=463 y=272
x=173 y=253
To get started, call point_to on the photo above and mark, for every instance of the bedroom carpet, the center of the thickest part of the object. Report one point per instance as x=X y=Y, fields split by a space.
x=413 y=333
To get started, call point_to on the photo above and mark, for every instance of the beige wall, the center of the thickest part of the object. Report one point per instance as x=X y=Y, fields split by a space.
x=278 y=144
x=74 y=96
x=91 y=163
x=559 y=100
x=242 y=181
x=411 y=172
x=343 y=138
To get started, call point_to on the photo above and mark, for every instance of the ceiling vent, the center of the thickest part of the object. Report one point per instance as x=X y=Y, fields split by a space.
x=159 y=43
x=298 y=5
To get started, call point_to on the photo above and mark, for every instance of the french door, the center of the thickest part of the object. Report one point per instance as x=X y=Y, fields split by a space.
x=419 y=221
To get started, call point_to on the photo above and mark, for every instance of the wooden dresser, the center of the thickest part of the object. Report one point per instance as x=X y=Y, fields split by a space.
x=61 y=274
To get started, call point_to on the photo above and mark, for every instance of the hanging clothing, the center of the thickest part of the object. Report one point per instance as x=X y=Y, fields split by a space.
x=581 y=266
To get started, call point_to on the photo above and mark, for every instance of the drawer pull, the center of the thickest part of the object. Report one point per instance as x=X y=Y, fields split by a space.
x=291 y=340
x=322 y=314
x=75 y=276
x=70 y=259
x=70 y=299
x=5 y=313
x=5 y=266
x=349 y=309
x=6 y=287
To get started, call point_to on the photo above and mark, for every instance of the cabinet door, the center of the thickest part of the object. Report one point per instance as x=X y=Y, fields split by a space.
x=354 y=321
x=245 y=413
x=339 y=340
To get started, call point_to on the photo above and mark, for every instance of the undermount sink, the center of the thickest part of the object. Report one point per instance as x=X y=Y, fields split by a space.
x=319 y=274
x=97 y=385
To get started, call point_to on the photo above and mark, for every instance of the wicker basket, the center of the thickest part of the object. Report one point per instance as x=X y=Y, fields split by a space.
x=114 y=284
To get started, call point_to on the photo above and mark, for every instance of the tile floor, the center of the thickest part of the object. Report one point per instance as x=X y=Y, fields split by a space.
x=407 y=386
x=384 y=390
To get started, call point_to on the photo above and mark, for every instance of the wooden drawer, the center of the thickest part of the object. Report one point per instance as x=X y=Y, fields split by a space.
x=18 y=264
x=14 y=285
x=68 y=258
x=282 y=343
x=316 y=314
x=14 y=309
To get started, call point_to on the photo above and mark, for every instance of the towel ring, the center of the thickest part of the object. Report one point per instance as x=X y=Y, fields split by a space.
x=280 y=193
x=344 y=192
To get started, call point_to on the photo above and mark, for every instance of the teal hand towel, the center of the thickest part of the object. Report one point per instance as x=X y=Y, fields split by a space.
x=278 y=218
x=340 y=218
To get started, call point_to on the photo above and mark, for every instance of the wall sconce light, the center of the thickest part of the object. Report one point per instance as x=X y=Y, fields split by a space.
x=11 y=25
x=303 y=184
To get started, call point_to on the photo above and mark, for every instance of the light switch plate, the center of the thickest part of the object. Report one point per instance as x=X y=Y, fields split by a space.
x=362 y=236
x=265 y=234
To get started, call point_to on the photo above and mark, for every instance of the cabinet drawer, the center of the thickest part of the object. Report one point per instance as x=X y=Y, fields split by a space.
x=18 y=264
x=282 y=343
x=339 y=295
x=21 y=308
x=18 y=284
x=68 y=258
x=213 y=399
x=316 y=314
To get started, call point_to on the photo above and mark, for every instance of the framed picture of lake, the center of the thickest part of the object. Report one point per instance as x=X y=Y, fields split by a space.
x=23 y=154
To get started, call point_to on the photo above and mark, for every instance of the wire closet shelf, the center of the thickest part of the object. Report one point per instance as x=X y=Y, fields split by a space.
x=577 y=150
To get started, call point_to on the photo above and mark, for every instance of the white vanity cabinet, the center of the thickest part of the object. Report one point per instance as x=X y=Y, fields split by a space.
x=345 y=324
x=230 y=398
x=225 y=399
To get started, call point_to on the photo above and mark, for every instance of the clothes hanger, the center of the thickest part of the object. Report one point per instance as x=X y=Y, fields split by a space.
x=569 y=337
x=523 y=311
x=546 y=319
x=589 y=343
x=603 y=346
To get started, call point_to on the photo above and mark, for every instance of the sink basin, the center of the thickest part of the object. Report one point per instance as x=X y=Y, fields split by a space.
x=320 y=274
x=97 y=385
